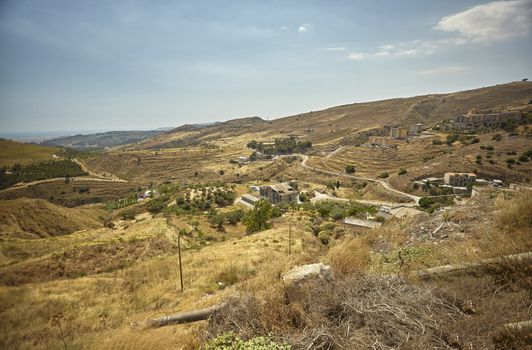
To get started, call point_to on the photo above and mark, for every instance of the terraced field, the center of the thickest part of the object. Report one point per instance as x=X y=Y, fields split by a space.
x=372 y=161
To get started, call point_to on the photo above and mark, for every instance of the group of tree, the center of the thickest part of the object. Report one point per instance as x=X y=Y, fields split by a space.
x=39 y=171
x=218 y=219
x=206 y=199
x=281 y=146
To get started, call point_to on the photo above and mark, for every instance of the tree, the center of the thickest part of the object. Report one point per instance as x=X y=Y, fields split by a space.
x=350 y=169
x=258 y=218
x=235 y=216
x=156 y=205
x=128 y=215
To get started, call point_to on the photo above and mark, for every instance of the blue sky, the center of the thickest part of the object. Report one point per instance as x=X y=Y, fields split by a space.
x=116 y=65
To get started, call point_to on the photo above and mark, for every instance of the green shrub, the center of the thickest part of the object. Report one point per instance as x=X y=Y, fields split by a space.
x=128 y=215
x=402 y=172
x=230 y=341
x=350 y=169
x=489 y=148
x=523 y=158
x=384 y=175
x=497 y=137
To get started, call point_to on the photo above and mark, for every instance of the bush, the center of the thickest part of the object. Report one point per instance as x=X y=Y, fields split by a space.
x=324 y=237
x=230 y=341
x=337 y=214
x=128 y=215
x=489 y=148
x=523 y=158
x=383 y=175
x=156 y=205
x=436 y=142
x=426 y=202
x=475 y=140
x=510 y=161
x=497 y=137
x=235 y=216
x=350 y=169
x=402 y=172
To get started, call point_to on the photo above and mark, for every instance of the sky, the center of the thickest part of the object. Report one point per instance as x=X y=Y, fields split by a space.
x=124 y=65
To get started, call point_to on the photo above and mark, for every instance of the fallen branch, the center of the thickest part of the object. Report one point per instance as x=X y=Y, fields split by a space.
x=186 y=317
x=460 y=268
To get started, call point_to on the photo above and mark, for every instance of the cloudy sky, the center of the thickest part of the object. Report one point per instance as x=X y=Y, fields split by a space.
x=87 y=65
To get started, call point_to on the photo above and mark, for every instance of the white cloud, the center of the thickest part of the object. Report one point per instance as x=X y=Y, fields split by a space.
x=302 y=28
x=340 y=48
x=407 y=52
x=382 y=53
x=386 y=47
x=440 y=70
x=493 y=21
x=355 y=56
x=283 y=28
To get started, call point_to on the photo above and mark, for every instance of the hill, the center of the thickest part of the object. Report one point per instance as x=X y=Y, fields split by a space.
x=34 y=218
x=102 y=140
x=14 y=152
x=191 y=153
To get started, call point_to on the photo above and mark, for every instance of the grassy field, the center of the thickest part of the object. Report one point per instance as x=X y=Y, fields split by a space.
x=23 y=153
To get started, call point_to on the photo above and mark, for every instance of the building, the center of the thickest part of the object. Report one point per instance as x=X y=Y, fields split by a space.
x=459 y=179
x=385 y=212
x=279 y=193
x=248 y=198
x=379 y=140
x=398 y=133
x=487 y=118
x=416 y=128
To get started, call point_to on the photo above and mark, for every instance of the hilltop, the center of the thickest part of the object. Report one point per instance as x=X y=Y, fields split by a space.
x=14 y=152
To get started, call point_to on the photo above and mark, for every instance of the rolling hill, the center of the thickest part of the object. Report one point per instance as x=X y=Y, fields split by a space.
x=14 y=152
x=102 y=140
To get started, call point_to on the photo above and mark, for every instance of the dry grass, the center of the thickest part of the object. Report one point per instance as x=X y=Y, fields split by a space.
x=355 y=312
x=123 y=287
x=16 y=152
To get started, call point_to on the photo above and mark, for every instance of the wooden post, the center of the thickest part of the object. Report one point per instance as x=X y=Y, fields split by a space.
x=179 y=254
x=289 y=239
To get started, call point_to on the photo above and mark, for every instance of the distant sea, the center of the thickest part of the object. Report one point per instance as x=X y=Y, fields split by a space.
x=39 y=136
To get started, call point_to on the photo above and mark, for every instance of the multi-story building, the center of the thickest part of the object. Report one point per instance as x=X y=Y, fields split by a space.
x=279 y=193
x=459 y=179
x=487 y=118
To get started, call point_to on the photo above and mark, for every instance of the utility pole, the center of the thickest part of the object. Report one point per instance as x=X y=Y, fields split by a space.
x=179 y=254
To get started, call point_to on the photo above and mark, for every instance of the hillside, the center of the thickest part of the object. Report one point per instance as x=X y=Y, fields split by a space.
x=35 y=218
x=14 y=152
x=199 y=153
x=101 y=140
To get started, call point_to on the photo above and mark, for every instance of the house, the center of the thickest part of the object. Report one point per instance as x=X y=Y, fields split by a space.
x=459 y=179
x=398 y=133
x=416 y=128
x=279 y=193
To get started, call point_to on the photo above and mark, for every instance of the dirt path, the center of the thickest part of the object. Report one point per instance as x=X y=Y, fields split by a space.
x=386 y=185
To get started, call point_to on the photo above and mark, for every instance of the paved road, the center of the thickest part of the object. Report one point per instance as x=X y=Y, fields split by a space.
x=382 y=182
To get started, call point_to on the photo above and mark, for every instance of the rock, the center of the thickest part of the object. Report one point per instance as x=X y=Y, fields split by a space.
x=300 y=279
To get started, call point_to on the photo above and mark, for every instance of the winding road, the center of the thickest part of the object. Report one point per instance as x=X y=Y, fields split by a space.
x=382 y=182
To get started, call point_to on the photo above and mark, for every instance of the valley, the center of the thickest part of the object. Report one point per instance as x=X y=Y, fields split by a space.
x=87 y=261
